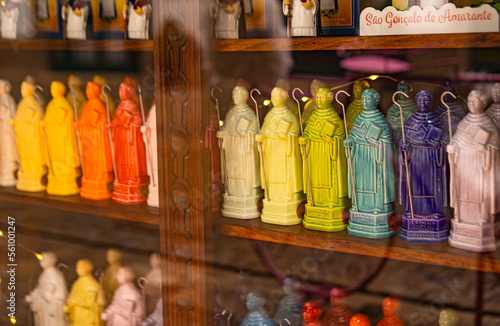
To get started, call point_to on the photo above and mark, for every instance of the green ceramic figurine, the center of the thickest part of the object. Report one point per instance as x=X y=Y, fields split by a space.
x=393 y=115
x=355 y=107
x=323 y=139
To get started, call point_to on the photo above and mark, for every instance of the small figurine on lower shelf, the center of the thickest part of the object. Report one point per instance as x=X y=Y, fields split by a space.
x=355 y=107
x=156 y=317
x=84 y=305
x=256 y=316
x=8 y=150
x=110 y=278
x=226 y=15
x=448 y=317
x=126 y=308
x=359 y=320
x=311 y=312
x=338 y=315
x=302 y=17
x=494 y=110
x=390 y=308
x=290 y=307
x=76 y=14
x=48 y=297
x=137 y=14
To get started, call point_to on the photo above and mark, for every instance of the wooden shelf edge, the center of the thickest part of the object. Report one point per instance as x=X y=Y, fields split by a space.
x=106 y=208
x=437 y=254
x=430 y=41
x=77 y=45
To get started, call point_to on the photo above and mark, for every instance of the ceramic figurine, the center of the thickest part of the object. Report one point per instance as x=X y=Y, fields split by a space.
x=152 y=288
x=149 y=132
x=30 y=142
x=240 y=159
x=84 y=304
x=226 y=15
x=474 y=156
x=76 y=13
x=108 y=9
x=156 y=317
x=359 y=320
x=9 y=17
x=110 y=280
x=494 y=110
x=8 y=151
x=96 y=147
x=48 y=297
x=393 y=114
x=127 y=307
x=372 y=190
x=131 y=187
x=323 y=139
x=212 y=143
x=237 y=303
x=425 y=147
x=311 y=104
x=301 y=17
x=282 y=169
x=458 y=109
x=290 y=103
x=101 y=81
x=311 y=313
x=75 y=87
x=390 y=307
x=290 y=307
x=338 y=315
x=137 y=14
x=135 y=96
x=355 y=108
x=257 y=315
x=448 y=317
x=62 y=146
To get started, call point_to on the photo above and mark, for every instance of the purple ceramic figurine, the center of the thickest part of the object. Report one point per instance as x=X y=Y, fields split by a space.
x=423 y=153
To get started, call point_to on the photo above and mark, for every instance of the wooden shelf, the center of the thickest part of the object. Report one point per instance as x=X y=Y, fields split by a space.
x=137 y=213
x=431 y=41
x=77 y=45
x=435 y=254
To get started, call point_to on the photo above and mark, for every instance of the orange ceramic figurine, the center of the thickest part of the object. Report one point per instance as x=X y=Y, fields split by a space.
x=338 y=315
x=311 y=313
x=359 y=320
x=390 y=307
x=131 y=185
x=95 y=145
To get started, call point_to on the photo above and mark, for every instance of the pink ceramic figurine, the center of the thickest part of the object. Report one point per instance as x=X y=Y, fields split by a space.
x=149 y=132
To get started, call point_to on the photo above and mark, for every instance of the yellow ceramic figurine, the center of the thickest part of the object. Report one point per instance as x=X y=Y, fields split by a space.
x=30 y=142
x=84 y=305
x=75 y=84
x=64 y=161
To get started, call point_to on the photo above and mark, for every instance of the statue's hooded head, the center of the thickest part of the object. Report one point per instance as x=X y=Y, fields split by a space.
x=370 y=99
x=495 y=93
x=255 y=301
x=324 y=98
x=84 y=267
x=279 y=97
x=404 y=87
x=49 y=259
x=125 y=274
x=311 y=311
x=93 y=90
x=424 y=100
x=74 y=81
x=359 y=87
x=240 y=95
x=316 y=84
x=57 y=89
x=477 y=101
x=27 y=89
x=126 y=91
x=449 y=87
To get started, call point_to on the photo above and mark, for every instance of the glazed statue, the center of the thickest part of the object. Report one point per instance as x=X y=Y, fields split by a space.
x=96 y=147
x=211 y=142
x=355 y=107
x=425 y=147
x=131 y=187
x=338 y=315
x=226 y=15
x=101 y=81
x=240 y=159
x=257 y=315
x=311 y=313
x=48 y=297
x=390 y=308
x=137 y=14
x=84 y=304
x=311 y=105
x=149 y=132
x=448 y=317
x=372 y=190
x=156 y=317
x=302 y=17
x=30 y=142
x=323 y=139
x=8 y=151
x=359 y=320
x=290 y=307
x=458 y=108
x=75 y=14
x=282 y=168
x=152 y=288
x=9 y=16
x=393 y=114
x=110 y=279
x=474 y=156
x=75 y=84
x=62 y=146
x=127 y=308
x=494 y=110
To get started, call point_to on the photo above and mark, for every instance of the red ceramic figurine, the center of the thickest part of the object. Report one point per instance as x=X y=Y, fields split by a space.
x=359 y=320
x=311 y=313
x=95 y=147
x=131 y=186
x=390 y=307
x=338 y=315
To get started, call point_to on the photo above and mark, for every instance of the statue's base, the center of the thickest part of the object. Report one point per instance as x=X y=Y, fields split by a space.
x=130 y=194
x=240 y=207
x=95 y=189
x=324 y=218
x=424 y=230
x=472 y=237
x=153 y=196
x=62 y=185
x=281 y=213
x=7 y=179
x=368 y=225
x=30 y=182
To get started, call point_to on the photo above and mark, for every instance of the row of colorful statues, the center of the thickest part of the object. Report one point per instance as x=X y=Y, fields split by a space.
x=77 y=138
x=330 y=163
x=114 y=299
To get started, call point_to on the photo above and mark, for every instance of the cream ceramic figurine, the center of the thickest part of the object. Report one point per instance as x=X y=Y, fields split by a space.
x=156 y=317
x=48 y=297
x=8 y=150
x=474 y=156
x=301 y=17
x=137 y=13
x=152 y=288
x=311 y=104
x=240 y=159
x=84 y=305
x=494 y=110
x=282 y=169
x=75 y=14
x=9 y=17
x=75 y=84
x=109 y=280
x=226 y=14
x=127 y=307
x=149 y=133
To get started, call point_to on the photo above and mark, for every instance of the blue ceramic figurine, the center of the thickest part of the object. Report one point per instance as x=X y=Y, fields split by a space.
x=257 y=316
x=290 y=306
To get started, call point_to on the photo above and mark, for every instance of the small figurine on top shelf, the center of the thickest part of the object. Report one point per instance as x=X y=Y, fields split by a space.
x=9 y=17
x=338 y=315
x=359 y=320
x=355 y=107
x=448 y=317
x=152 y=288
x=110 y=280
x=48 y=297
x=290 y=307
x=282 y=169
x=311 y=312
x=137 y=14
x=494 y=110
x=75 y=89
x=457 y=107
x=390 y=308
x=8 y=151
x=408 y=107
x=256 y=316
x=311 y=104
x=372 y=190
x=149 y=132
x=474 y=156
x=303 y=17
x=229 y=22
x=76 y=14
